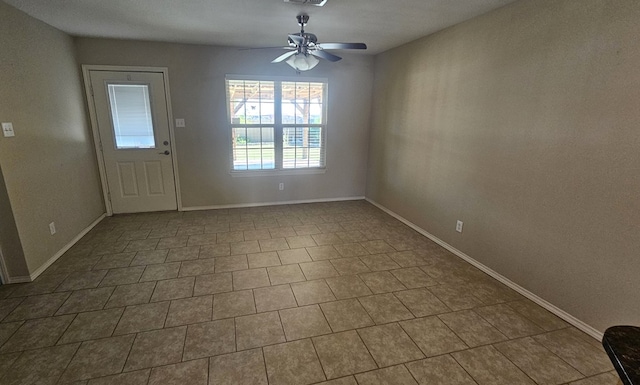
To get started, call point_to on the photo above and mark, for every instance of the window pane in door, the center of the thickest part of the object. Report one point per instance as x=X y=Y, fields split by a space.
x=131 y=116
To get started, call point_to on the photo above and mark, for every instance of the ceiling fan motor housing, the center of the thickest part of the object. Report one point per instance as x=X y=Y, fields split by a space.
x=309 y=38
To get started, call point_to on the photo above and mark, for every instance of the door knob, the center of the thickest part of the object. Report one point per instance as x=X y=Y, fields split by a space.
x=166 y=152
x=165 y=143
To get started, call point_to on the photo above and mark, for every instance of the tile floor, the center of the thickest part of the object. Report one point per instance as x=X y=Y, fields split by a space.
x=332 y=293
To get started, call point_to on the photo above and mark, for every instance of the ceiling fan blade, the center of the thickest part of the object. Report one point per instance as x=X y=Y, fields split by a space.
x=342 y=46
x=325 y=55
x=299 y=40
x=251 y=48
x=284 y=57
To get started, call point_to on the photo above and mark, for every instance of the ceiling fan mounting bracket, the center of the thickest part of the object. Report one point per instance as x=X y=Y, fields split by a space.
x=303 y=19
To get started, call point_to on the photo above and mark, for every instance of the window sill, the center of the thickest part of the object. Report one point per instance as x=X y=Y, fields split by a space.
x=254 y=173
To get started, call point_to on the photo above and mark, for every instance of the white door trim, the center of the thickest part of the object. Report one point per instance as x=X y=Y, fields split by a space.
x=4 y=274
x=86 y=68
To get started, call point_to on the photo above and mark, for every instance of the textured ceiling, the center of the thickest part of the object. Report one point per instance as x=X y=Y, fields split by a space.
x=381 y=24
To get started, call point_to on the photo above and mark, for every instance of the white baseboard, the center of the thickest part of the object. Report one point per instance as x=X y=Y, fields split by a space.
x=59 y=254
x=526 y=293
x=246 y=205
x=19 y=279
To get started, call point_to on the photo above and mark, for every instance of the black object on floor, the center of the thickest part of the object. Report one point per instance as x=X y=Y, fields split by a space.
x=622 y=344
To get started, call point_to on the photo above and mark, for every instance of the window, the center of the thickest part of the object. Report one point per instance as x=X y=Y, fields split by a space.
x=131 y=116
x=277 y=124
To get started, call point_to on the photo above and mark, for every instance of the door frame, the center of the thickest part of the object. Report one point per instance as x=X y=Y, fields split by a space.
x=86 y=69
x=4 y=274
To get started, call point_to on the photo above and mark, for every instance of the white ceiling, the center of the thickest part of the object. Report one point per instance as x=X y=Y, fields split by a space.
x=381 y=24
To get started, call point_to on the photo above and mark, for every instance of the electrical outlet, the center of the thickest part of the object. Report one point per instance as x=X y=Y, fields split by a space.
x=180 y=123
x=459 y=226
x=281 y=186
x=52 y=228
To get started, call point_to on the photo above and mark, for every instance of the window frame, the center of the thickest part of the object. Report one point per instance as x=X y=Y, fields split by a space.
x=278 y=126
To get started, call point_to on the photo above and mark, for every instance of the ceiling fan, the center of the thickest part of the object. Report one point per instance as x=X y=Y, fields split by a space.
x=304 y=48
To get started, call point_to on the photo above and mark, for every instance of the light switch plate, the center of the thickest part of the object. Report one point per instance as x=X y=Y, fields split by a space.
x=7 y=130
x=180 y=123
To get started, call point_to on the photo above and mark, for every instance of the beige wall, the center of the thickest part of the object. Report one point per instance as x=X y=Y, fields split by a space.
x=524 y=123
x=196 y=77
x=49 y=166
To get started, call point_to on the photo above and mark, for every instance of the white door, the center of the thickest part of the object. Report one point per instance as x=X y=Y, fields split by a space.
x=133 y=124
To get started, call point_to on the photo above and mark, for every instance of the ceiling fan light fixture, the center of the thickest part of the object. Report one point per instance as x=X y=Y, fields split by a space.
x=302 y=62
